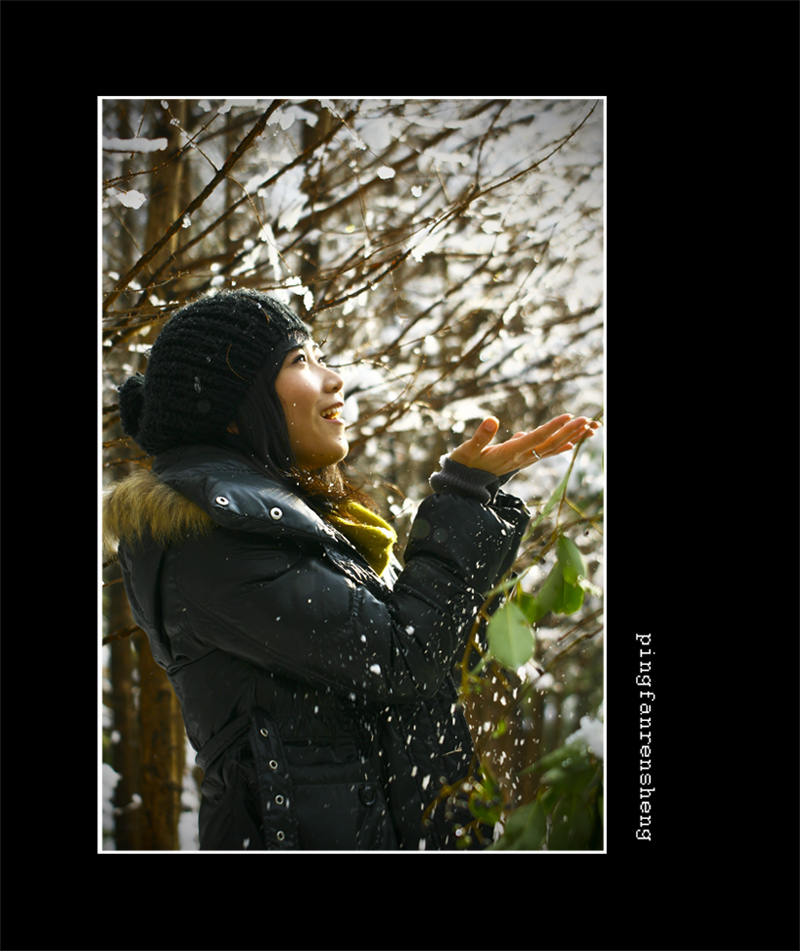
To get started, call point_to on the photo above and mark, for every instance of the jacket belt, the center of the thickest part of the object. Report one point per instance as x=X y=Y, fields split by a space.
x=221 y=741
x=275 y=784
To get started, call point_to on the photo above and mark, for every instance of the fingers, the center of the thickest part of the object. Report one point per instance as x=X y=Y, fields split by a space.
x=522 y=449
x=548 y=429
x=470 y=452
x=486 y=432
x=559 y=435
x=567 y=436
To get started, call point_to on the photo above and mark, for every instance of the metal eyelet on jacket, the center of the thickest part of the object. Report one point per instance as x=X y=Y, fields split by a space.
x=273 y=764
x=280 y=837
x=367 y=794
x=276 y=513
x=279 y=800
x=264 y=731
x=221 y=500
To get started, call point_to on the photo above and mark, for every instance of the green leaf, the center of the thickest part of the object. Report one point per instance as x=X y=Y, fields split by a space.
x=571 y=825
x=547 y=595
x=571 y=560
x=570 y=598
x=510 y=636
x=528 y=605
x=557 y=493
x=500 y=729
x=525 y=829
x=486 y=801
x=562 y=756
x=571 y=776
x=485 y=811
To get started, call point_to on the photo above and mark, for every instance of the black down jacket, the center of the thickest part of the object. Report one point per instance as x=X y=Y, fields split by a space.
x=320 y=699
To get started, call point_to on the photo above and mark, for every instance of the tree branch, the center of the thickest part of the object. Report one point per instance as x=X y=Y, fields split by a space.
x=232 y=159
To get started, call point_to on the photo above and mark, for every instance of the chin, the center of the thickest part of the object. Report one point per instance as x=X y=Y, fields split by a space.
x=340 y=454
x=329 y=459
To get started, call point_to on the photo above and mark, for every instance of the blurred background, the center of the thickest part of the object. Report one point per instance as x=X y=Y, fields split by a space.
x=449 y=255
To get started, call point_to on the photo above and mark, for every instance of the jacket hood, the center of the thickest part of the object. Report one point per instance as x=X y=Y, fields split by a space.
x=192 y=490
x=142 y=506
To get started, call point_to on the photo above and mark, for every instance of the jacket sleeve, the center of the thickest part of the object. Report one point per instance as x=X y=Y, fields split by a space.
x=298 y=614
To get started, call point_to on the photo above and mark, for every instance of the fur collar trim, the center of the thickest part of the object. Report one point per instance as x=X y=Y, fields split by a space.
x=142 y=505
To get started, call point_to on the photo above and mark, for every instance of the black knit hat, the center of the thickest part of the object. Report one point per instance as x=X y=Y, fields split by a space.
x=202 y=364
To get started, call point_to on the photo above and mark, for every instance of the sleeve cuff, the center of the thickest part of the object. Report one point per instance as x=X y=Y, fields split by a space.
x=463 y=480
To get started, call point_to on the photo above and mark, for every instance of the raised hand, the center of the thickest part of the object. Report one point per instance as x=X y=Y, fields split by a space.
x=522 y=449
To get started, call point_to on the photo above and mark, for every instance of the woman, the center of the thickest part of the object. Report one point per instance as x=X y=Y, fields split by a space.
x=314 y=676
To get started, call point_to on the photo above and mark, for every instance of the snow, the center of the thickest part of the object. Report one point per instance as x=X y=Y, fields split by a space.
x=134 y=145
x=110 y=779
x=443 y=158
x=131 y=199
x=230 y=103
x=427 y=240
x=266 y=235
x=291 y=215
x=590 y=732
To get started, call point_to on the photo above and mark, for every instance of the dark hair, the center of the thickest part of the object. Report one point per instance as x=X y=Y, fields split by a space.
x=264 y=437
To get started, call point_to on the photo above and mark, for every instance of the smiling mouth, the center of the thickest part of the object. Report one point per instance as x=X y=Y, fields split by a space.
x=332 y=414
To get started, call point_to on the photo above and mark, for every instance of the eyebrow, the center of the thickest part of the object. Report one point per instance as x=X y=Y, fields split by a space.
x=302 y=346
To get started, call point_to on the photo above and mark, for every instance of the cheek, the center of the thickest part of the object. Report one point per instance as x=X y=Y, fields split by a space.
x=292 y=399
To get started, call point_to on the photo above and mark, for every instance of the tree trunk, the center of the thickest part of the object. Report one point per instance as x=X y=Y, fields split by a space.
x=161 y=724
x=127 y=795
x=162 y=755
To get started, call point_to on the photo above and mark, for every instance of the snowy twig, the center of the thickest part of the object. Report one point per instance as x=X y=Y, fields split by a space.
x=232 y=159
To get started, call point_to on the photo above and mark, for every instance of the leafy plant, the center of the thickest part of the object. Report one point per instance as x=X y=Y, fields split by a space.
x=567 y=811
x=510 y=631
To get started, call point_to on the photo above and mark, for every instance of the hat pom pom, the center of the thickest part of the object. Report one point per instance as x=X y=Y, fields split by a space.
x=131 y=404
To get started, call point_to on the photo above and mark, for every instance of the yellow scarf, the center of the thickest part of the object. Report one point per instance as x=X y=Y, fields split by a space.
x=369 y=533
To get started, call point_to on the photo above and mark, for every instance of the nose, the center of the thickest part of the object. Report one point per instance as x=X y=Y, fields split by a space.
x=333 y=382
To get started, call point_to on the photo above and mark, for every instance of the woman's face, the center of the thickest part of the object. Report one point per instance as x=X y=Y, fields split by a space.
x=312 y=397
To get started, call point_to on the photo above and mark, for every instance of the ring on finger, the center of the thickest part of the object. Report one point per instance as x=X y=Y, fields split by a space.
x=536 y=454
